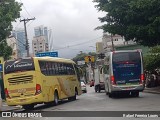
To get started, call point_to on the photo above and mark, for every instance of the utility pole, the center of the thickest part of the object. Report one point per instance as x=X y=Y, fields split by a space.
x=25 y=29
x=112 y=42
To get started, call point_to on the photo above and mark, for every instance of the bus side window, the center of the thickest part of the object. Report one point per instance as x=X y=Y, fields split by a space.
x=42 y=67
x=56 y=68
x=65 y=69
x=53 y=68
x=47 y=70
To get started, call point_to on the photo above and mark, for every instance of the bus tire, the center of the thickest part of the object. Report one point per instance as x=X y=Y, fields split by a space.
x=56 y=98
x=99 y=88
x=75 y=94
x=28 y=107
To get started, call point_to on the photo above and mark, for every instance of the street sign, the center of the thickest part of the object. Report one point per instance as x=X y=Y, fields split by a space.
x=50 y=54
x=1 y=67
x=89 y=59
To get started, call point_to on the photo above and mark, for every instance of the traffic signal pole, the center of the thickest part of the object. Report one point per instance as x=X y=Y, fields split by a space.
x=26 y=37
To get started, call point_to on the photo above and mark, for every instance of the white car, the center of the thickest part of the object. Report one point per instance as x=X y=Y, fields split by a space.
x=83 y=87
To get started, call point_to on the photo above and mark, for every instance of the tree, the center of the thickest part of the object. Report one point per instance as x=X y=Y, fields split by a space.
x=137 y=20
x=152 y=60
x=9 y=12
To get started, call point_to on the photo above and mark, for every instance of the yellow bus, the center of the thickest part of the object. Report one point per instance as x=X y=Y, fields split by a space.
x=37 y=80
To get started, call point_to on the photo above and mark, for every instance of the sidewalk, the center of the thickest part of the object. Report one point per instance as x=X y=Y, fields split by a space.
x=5 y=107
x=155 y=90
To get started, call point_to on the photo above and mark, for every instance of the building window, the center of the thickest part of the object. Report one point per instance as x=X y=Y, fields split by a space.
x=34 y=47
x=40 y=43
x=40 y=46
x=34 y=43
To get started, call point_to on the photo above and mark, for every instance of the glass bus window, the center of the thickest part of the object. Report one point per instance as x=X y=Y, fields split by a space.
x=126 y=57
x=19 y=65
x=53 y=68
x=47 y=69
x=56 y=68
x=65 y=69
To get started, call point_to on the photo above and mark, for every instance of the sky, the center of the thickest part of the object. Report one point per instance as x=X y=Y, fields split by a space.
x=72 y=23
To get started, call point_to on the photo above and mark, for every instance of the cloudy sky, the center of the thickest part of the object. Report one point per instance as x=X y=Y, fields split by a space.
x=72 y=23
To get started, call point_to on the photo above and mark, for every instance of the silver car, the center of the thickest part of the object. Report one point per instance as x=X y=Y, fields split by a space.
x=83 y=87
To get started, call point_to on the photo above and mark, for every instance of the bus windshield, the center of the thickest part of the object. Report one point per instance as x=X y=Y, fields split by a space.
x=127 y=67
x=126 y=57
x=19 y=65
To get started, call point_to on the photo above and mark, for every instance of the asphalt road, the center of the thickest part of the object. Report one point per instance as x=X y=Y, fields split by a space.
x=92 y=101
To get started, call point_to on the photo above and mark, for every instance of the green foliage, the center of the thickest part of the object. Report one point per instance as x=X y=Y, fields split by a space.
x=137 y=20
x=9 y=12
x=152 y=60
x=5 y=50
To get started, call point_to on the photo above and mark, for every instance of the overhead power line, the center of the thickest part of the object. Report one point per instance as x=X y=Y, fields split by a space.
x=68 y=46
x=26 y=9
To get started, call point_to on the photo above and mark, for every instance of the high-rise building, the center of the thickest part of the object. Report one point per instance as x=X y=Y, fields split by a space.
x=40 y=40
x=19 y=35
x=41 y=31
x=39 y=45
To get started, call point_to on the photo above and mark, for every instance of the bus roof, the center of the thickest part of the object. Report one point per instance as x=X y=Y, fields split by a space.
x=137 y=50
x=56 y=59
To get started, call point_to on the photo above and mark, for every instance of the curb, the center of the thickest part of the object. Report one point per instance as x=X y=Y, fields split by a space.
x=9 y=110
x=150 y=91
x=6 y=108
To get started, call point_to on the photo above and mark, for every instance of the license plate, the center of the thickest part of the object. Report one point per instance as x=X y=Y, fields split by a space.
x=22 y=100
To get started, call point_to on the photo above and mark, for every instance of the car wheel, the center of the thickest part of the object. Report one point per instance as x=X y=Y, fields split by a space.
x=99 y=89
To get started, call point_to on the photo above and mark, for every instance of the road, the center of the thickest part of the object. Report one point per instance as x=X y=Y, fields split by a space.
x=92 y=101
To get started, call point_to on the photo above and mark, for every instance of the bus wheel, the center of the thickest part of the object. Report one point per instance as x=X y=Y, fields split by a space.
x=55 y=98
x=99 y=89
x=95 y=88
x=28 y=107
x=75 y=95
